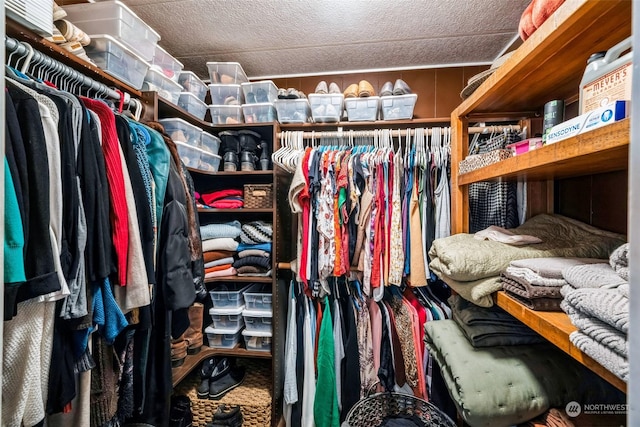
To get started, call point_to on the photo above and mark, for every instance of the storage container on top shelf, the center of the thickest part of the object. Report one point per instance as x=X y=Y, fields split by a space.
x=209 y=143
x=293 y=110
x=226 y=114
x=259 y=92
x=209 y=162
x=117 y=20
x=228 y=295
x=182 y=131
x=257 y=340
x=191 y=83
x=326 y=108
x=226 y=72
x=117 y=60
x=223 y=338
x=167 y=64
x=257 y=320
x=259 y=113
x=362 y=109
x=155 y=81
x=398 y=107
x=258 y=298
x=226 y=94
x=190 y=155
x=192 y=104
x=227 y=318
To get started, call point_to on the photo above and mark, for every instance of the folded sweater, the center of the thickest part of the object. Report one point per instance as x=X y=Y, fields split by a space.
x=228 y=229
x=223 y=243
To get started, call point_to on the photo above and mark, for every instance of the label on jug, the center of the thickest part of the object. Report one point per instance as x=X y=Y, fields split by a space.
x=613 y=86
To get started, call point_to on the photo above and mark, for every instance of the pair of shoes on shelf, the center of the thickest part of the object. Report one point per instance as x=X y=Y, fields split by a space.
x=290 y=93
x=226 y=416
x=363 y=89
x=222 y=78
x=180 y=414
x=322 y=88
x=218 y=377
x=399 y=88
x=259 y=96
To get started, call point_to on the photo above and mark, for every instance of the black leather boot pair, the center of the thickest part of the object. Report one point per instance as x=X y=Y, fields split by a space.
x=180 y=414
x=226 y=417
x=240 y=150
x=219 y=376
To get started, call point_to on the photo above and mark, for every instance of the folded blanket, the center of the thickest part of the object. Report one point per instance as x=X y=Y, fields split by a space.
x=253 y=252
x=217 y=268
x=619 y=261
x=256 y=261
x=526 y=26
x=221 y=244
x=607 y=305
x=537 y=304
x=222 y=273
x=228 y=229
x=593 y=276
x=477 y=291
x=215 y=255
x=502 y=235
x=480 y=335
x=221 y=261
x=543 y=9
x=612 y=361
x=530 y=277
x=261 y=247
x=552 y=267
x=209 y=198
x=229 y=203
x=471 y=314
x=598 y=330
x=463 y=258
x=529 y=291
x=256 y=232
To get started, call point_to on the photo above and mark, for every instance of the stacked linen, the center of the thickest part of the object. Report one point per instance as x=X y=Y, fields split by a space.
x=596 y=299
x=536 y=282
x=219 y=247
x=254 y=251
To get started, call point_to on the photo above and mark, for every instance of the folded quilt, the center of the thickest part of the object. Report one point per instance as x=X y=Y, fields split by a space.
x=228 y=229
x=530 y=277
x=598 y=330
x=256 y=261
x=612 y=361
x=477 y=291
x=593 y=276
x=253 y=252
x=526 y=290
x=619 y=261
x=502 y=235
x=471 y=314
x=537 y=304
x=607 y=305
x=215 y=255
x=222 y=273
x=256 y=232
x=463 y=258
x=480 y=335
x=261 y=247
x=221 y=244
x=551 y=267
x=221 y=261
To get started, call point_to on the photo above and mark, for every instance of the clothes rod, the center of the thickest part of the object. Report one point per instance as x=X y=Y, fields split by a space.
x=42 y=60
x=394 y=132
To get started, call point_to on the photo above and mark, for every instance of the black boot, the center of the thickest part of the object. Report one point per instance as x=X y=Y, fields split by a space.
x=180 y=414
x=230 y=149
x=265 y=156
x=227 y=417
x=249 y=147
x=205 y=374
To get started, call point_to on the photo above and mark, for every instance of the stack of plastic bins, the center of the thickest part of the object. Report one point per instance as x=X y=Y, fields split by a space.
x=226 y=92
x=257 y=316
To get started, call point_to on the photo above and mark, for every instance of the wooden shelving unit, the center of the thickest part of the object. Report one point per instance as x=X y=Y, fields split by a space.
x=378 y=124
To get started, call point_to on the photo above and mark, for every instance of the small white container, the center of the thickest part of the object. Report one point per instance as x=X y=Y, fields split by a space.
x=209 y=162
x=223 y=338
x=166 y=64
x=227 y=318
x=117 y=60
x=190 y=103
x=228 y=295
x=398 y=107
x=362 y=109
x=226 y=72
x=182 y=131
x=191 y=83
x=222 y=94
x=258 y=298
x=257 y=341
x=326 y=108
x=293 y=110
x=209 y=143
x=260 y=92
x=155 y=81
x=257 y=320
x=190 y=155
x=116 y=19
x=259 y=113
x=226 y=114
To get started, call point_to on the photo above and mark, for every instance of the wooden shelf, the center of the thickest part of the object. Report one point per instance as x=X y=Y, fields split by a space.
x=368 y=125
x=556 y=328
x=232 y=173
x=602 y=150
x=550 y=64
x=192 y=361
x=239 y=279
x=241 y=210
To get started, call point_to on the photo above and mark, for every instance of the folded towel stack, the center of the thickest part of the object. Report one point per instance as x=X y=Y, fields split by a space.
x=596 y=298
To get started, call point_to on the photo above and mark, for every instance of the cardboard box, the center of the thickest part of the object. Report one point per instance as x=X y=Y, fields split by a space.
x=603 y=116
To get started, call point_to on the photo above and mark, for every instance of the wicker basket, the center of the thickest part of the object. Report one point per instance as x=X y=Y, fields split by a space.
x=253 y=396
x=477 y=161
x=258 y=196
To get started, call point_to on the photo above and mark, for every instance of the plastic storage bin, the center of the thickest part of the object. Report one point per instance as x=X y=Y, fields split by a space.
x=117 y=20
x=223 y=94
x=209 y=143
x=293 y=110
x=259 y=92
x=190 y=155
x=191 y=83
x=258 y=298
x=227 y=318
x=209 y=162
x=228 y=295
x=257 y=321
x=398 y=107
x=182 y=131
x=192 y=104
x=257 y=341
x=117 y=60
x=166 y=64
x=362 y=109
x=259 y=113
x=226 y=72
x=226 y=114
x=223 y=338
x=326 y=108
x=166 y=88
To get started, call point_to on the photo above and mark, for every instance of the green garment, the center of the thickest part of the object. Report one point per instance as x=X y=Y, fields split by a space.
x=325 y=406
x=13 y=234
